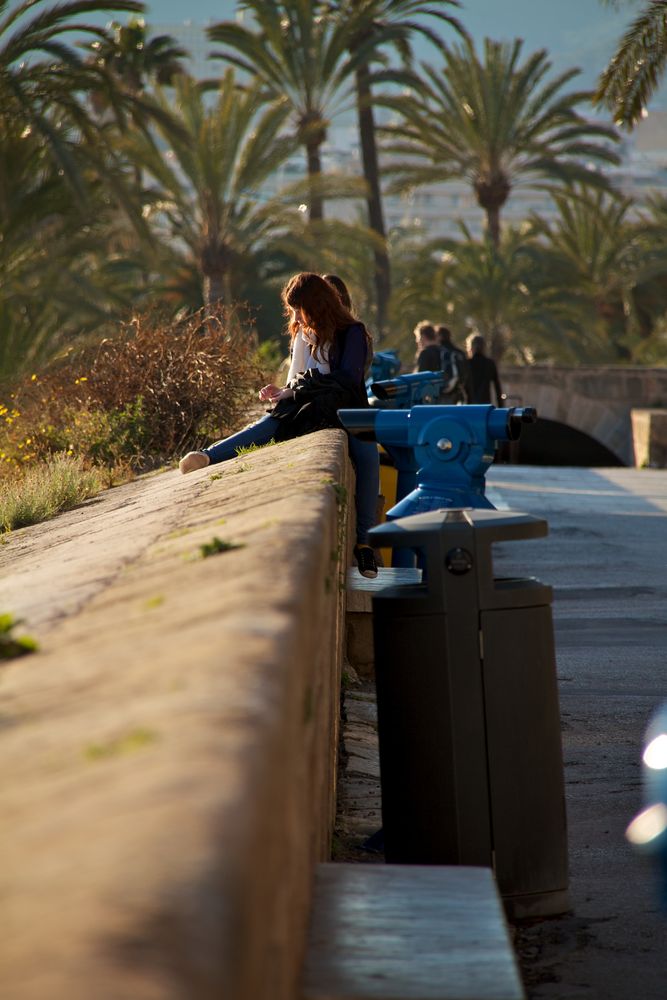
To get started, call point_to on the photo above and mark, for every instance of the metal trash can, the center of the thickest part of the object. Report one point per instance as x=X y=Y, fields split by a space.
x=468 y=716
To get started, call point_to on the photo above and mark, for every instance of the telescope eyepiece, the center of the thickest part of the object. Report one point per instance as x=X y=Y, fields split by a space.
x=384 y=390
x=518 y=416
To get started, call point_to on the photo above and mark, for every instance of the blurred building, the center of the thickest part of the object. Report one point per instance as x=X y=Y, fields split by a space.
x=643 y=171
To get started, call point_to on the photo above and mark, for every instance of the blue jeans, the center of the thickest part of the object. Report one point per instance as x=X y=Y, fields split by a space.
x=363 y=454
x=259 y=433
x=366 y=461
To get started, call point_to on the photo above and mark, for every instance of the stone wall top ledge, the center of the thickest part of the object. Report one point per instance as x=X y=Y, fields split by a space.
x=167 y=759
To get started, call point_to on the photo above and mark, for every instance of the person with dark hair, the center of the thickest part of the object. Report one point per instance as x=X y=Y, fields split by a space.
x=341 y=288
x=427 y=358
x=482 y=372
x=330 y=351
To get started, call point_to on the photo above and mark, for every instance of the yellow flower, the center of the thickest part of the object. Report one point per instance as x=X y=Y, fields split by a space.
x=33 y=378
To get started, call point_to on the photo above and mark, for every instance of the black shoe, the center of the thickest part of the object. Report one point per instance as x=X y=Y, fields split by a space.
x=366 y=561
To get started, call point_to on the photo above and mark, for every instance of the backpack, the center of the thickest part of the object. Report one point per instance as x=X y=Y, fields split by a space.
x=449 y=366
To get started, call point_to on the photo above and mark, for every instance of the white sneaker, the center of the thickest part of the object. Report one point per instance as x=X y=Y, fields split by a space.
x=194 y=460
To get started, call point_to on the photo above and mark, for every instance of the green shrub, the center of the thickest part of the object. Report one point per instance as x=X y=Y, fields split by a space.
x=273 y=359
x=104 y=437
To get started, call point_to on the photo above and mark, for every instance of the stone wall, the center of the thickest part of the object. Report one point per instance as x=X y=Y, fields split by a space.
x=167 y=759
x=597 y=400
x=649 y=433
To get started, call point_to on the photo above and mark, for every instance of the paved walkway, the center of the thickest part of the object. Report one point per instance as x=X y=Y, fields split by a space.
x=606 y=556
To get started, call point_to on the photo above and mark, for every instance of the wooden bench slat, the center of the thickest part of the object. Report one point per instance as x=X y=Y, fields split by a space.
x=360 y=589
x=408 y=932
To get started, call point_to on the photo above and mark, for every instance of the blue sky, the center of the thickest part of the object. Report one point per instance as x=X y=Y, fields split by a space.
x=576 y=33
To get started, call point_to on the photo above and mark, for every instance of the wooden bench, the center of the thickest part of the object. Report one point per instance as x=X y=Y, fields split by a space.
x=408 y=932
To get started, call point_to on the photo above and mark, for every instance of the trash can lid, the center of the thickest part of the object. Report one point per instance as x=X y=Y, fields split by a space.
x=495 y=525
x=455 y=546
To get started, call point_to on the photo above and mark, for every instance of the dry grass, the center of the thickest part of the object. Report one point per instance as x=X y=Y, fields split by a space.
x=45 y=490
x=157 y=390
x=133 y=403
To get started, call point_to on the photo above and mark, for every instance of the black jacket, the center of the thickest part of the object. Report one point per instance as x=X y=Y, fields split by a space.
x=482 y=374
x=318 y=396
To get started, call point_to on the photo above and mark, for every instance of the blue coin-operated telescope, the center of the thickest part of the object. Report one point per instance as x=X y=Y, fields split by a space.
x=385 y=365
x=648 y=830
x=404 y=391
x=442 y=453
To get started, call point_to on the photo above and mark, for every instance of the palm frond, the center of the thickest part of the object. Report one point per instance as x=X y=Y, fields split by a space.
x=632 y=77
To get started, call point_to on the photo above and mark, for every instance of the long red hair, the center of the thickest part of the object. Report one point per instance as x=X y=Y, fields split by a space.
x=321 y=307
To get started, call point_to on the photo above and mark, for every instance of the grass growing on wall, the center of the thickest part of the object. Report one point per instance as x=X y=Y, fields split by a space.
x=46 y=489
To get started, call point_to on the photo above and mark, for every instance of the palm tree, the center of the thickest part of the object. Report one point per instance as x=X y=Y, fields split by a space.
x=303 y=56
x=136 y=58
x=128 y=60
x=650 y=292
x=207 y=197
x=497 y=123
x=505 y=293
x=389 y=23
x=649 y=295
x=40 y=72
x=598 y=248
x=635 y=71
x=64 y=269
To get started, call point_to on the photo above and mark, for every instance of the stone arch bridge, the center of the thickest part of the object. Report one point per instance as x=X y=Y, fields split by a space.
x=596 y=400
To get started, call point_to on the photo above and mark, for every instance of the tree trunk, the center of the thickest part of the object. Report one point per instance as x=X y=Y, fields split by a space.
x=493 y=224
x=314 y=174
x=214 y=261
x=492 y=190
x=213 y=287
x=498 y=345
x=369 y=159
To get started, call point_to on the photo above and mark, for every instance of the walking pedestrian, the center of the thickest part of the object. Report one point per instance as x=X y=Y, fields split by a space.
x=454 y=365
x=482 y=373
x=427 y=357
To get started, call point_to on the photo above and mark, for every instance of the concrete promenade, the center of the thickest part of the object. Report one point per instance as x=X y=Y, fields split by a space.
x=606 y=557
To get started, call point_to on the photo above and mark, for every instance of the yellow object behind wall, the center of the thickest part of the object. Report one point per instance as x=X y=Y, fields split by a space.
x=388 y=482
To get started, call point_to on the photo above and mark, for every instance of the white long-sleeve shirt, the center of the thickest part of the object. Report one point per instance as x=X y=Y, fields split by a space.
x=302 y=358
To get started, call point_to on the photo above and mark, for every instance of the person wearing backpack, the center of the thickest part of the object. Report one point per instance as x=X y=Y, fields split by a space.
x=454 y=365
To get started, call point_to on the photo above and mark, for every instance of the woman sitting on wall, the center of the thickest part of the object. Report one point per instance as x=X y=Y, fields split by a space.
x=330 y=350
